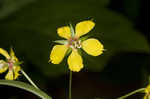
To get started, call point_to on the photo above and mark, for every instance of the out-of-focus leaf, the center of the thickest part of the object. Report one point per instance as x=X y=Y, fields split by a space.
x=32 y=29
x=26 y=87
x=132 y=8
x=10 y=6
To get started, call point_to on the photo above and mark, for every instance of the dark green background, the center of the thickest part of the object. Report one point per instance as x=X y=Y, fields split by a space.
x=29 y=26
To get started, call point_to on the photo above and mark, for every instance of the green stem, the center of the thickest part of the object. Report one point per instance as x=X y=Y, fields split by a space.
x=70 y=84
x=29 y=79
x=131 y=93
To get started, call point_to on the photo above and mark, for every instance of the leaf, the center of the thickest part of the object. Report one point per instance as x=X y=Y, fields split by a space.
x=30 y=30
x=10 y=6
x=26 y=87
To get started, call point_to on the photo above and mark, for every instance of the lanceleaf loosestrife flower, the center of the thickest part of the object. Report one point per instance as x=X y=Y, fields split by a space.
x=92 y=46
x=11 y=64
x=147 y=92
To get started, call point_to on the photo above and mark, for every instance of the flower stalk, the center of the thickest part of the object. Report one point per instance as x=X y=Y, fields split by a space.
x=29 y=79
x=131 y=93
x=70 y=84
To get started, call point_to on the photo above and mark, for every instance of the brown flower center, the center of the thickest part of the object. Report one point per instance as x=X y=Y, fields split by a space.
x=10 y=63
x=74 y=43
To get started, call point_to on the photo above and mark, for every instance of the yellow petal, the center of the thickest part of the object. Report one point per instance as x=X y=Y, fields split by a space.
x=16 y=71
x=3 y=69
x=147 y=90
x=3 y=66
x=92 y=47
x=75 y=61
x=12 y=54
x=57 y=54
x=64 y=32
x=4 y=53
x=84 y=27
x=145 y=97
x=9 y=75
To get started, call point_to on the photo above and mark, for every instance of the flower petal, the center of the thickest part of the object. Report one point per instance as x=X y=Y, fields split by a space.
x=145 y=97
x=3 y=66
x=16 y=70
x=57 y=54
x=147 y=90
x=12 y=54
x=4 y=53
x=64 y=32
x=75 y=61
x=84 y=27
x=9 y=75
x=92 y=47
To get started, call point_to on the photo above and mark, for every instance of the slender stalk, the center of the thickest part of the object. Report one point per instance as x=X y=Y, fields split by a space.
x=29 y=79
x=131 y=93
x=70 y=84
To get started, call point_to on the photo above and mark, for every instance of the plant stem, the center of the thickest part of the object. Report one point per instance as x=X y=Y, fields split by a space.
x=29 y=79
x=131 y=93
x=70 y=84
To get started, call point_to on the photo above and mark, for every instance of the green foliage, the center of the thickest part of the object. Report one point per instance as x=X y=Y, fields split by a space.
x=132 y=8
x=26 y=87
x=30 y=27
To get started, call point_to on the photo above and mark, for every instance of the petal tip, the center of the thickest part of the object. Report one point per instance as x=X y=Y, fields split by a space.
x=75 y=61
x=64 y=32
x=84 y=27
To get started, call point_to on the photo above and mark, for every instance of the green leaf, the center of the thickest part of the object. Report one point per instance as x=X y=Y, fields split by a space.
x=30 y=30
x=26 y=87
x=10 y=6
x=18 y=63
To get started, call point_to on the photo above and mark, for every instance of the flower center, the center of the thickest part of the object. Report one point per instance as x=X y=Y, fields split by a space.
x=74 y=43
x=10 y=63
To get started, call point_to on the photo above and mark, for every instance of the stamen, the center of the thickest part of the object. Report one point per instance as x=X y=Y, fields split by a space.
x=79 y=43
x=74 y=43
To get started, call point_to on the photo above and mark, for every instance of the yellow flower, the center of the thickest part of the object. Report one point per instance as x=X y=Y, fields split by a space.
x=91 y=46
x=147 y=92
x=11 y=63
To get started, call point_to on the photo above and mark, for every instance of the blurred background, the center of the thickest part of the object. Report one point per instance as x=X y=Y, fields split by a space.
x=29 y=26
